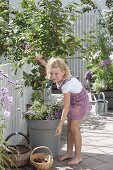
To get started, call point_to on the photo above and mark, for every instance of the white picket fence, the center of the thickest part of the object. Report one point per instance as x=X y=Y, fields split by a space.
x=77 y=66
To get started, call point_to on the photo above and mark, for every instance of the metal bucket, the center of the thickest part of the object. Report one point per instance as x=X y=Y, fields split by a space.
x=101 y=105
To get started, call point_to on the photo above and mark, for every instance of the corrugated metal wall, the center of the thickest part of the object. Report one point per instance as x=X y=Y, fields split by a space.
x=83 y=24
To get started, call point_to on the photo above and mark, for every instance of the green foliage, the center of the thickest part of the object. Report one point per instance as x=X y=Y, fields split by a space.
x=98 y=51
x=106 y=20
x=41 y=111
x=97 y=45
x=44 y=29
x=103 y=75
x=41 y=29
x=4 y=17
x=109 y=3
x=89 y=5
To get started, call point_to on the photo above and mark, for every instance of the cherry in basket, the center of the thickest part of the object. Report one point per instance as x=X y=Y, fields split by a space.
x=38 y=160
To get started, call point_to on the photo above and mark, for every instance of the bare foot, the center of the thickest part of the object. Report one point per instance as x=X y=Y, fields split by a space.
x=66 y=156
x=75 y=161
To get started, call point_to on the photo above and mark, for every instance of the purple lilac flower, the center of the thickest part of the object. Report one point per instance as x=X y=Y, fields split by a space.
x=7 y=113
x=26 y=47
x=5 y=75
x=17 y=82
x=18 y=85
x=105 y=62
x=95 y=10
x=10 y=81
x=5 y=100
x=87 y=45
x=10 y=99
x=1 y=72
x=1 y=77
x=58 y=114
x=4 y=91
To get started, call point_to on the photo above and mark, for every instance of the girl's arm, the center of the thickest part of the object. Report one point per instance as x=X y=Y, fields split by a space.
x=64 y=113
x=41 y=61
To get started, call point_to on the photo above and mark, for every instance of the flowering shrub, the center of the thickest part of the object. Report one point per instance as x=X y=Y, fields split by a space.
x=6 y=101
x=103 y=75
x=42 y=111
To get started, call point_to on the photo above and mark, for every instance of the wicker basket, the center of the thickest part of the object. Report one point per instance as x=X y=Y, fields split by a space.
x=19 y=154
x=48 y=159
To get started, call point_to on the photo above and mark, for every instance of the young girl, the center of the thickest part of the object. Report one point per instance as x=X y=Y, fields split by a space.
x=76 y=106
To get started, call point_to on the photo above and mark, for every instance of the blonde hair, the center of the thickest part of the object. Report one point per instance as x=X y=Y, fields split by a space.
x=57 y=63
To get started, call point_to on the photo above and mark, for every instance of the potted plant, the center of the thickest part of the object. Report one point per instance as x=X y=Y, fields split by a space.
x=98 y=52
x=42 y=120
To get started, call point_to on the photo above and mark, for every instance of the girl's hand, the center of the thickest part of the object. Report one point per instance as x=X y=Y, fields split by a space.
x=58 y=130
x=41 y=61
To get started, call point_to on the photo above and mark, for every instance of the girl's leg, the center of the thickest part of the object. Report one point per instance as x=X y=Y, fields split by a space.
x=75 y=131
x=68 y=154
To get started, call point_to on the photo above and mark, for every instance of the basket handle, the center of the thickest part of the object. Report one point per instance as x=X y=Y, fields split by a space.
x=17 y=133
x=101 y=94
x=94 y=97
x=44 y=147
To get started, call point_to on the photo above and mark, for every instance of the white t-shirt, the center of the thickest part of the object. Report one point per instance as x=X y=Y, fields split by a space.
x=73 y=85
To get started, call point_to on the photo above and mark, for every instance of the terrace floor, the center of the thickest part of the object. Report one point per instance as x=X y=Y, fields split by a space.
x=97 y=149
